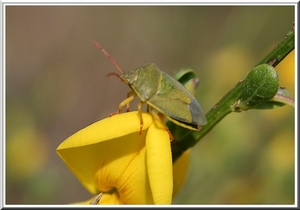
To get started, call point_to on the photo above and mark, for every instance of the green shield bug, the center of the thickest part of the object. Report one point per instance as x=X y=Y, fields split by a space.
x=161 y=92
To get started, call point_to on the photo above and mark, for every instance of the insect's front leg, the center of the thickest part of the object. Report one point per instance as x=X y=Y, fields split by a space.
x=141 y=117
x=123 y=103
x=130 y=93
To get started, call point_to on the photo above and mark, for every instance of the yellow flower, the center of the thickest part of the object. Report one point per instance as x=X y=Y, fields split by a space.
x=110 y=157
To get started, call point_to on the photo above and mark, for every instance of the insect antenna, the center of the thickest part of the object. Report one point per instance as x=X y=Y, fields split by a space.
x=107 y=55
x=115 y=74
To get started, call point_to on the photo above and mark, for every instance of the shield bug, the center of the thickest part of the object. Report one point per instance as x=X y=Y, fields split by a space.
x=161 y=92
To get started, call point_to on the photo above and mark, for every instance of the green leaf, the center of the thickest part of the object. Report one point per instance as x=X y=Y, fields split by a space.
x=185 y=75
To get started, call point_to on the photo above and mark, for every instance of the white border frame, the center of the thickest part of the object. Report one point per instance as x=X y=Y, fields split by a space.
x=160 y=3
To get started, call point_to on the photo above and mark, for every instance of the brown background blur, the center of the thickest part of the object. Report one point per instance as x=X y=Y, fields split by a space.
x=56 y=84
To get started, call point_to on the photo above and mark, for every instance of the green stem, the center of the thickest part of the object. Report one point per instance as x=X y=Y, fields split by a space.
x=281 y=50
x=215 y=114
x=228 y=103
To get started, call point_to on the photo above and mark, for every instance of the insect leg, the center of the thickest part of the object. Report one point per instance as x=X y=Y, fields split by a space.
x=122 y=104
x=160 y=117
x=141 y=117
x=128 y=95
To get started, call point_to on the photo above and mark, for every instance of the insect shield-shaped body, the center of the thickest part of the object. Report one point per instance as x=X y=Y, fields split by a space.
x=166 y=95
x=161 y=92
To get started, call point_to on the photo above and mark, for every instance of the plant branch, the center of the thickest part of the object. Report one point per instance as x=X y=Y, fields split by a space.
x=230 y=102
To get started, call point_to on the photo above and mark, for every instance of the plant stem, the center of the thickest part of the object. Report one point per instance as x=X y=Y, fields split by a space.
x=214 y=115
x=228 y=103
x=281 y=50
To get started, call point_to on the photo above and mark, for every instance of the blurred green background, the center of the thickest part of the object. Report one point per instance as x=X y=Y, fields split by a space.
x=56 y=84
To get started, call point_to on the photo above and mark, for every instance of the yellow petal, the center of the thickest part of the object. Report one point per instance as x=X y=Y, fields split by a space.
x=101 y=199
x=159 y=163
x=89 y=149
x=107 y=129
x=130 y=180
x=180 y=168
x=110 y=199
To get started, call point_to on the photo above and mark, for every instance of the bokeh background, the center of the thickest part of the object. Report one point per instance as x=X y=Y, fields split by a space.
x=56 y=84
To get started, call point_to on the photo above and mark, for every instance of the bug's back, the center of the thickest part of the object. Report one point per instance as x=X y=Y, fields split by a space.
x=178 y=103
x=165 y=94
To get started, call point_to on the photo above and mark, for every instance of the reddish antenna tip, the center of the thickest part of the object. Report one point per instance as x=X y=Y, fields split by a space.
x=107 y=55
x=113 y=73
